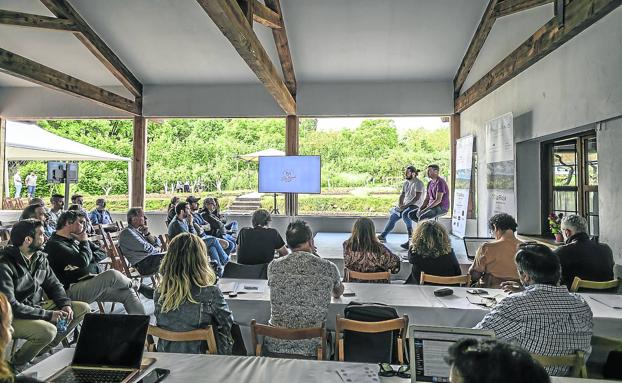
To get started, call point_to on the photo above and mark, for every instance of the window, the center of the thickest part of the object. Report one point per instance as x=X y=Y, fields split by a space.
x=573 y=178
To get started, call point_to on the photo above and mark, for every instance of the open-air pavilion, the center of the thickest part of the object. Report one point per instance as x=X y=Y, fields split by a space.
x=556 y=66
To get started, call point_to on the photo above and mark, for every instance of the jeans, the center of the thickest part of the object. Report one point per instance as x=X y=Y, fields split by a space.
x=18 y=190
x=229 y=238
x=41 y=335
x=394 y=217
x=31 y=191
x=232 y=226
x=429 y=214
x=216 y=253
x=109 y=286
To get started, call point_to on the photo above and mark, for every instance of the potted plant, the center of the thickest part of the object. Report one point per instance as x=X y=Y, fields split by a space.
x=555 y=224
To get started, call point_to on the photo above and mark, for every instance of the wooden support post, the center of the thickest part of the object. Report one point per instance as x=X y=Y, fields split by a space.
x=247 y=7
x=139 y=163
x=291 y=149
x=454 y=133
x=3 y=168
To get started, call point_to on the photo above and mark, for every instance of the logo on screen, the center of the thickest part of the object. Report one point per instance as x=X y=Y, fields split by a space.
x=288 y=175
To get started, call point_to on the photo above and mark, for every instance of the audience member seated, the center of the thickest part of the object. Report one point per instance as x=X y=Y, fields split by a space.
x=6 y=316
x=37 y=201
x=430 y=252
x=171 y=210
x=205 y=227
x=184 y=223
x=491 y=361
x=37 y=212
x=301 y=285
x=25 y=275
x=138 y=245
x=363 y=252
x=58 y=203
x=545 y=318
x=75 y=262
x=218 y=224
x=99 y=215
x=188 y=298
x=580 y=256
x=257 y=244
x=494 y=261
x=78 y=200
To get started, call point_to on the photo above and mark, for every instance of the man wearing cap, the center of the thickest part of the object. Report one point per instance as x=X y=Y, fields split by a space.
x=410 y=200
x=193 y=202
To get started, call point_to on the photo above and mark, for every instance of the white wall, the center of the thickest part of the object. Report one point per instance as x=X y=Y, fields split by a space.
x=609 y=142
x=578 y=84
x=241 y=100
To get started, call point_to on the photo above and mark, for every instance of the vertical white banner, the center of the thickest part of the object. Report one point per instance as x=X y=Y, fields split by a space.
x=500 y=173
x=462 y=188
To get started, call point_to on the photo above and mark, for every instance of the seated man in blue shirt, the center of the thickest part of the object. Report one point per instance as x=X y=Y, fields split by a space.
x=141 y=248
x=100 y=216
x=193 y=203
x=184 y=223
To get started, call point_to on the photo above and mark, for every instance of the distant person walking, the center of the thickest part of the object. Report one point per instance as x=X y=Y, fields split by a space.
x=31 y=183
x=17 y=181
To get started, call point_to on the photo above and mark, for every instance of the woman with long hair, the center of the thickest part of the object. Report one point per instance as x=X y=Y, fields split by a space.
x=6 y=317
x=170 y=210
x=188 y=299
x=430 y=251
x=363 y=252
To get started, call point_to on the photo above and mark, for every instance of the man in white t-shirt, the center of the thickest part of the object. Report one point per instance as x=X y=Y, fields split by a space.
x=31 y=183
x=410 y=200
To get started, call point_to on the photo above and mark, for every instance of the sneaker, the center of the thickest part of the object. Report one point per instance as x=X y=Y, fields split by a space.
x=382 y=238
x=405 y=245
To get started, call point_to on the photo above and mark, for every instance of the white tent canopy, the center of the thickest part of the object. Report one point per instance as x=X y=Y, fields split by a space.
x=29 y=142
x=262 y=153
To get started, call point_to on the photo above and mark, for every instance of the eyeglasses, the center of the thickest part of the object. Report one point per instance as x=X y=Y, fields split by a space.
x=387 y=370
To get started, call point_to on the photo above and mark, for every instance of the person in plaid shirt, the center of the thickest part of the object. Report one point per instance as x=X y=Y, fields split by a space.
x=545 y=318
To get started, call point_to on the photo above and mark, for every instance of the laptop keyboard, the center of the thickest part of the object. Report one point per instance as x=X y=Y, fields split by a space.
x=74 y=375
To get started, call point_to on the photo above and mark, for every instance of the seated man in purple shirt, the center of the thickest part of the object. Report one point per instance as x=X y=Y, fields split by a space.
x=436 y=201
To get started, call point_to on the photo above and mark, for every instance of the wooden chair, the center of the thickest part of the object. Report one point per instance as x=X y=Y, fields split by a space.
x=382 y=276
x=288 y=334
x=446 y=281
x=164 y=241
x=120 y=263
x=120 y=224
x=576 y=362
x=579 y=283
x=343 y=324
x=206 y=334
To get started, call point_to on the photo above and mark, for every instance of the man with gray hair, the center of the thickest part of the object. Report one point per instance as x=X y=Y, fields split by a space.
x=141 y=248
x=580 y=256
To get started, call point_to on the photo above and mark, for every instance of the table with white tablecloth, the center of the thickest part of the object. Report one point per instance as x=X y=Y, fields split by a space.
x=187 y=368
x=418 y=302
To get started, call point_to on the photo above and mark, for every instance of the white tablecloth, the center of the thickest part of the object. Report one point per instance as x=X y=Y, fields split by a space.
x=216 y=368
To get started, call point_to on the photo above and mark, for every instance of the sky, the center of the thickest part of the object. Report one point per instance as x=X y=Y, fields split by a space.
x=401 y=123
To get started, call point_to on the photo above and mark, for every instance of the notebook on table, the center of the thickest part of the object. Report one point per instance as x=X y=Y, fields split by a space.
x=428 y=347
x=110 y=349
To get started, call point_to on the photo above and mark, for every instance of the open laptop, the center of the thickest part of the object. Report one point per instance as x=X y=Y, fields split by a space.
x=428 y=347
x=471 y=244
x=110 y=349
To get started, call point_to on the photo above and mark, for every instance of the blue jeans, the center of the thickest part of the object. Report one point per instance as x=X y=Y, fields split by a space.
x=232 y=226
x=31 y=191
x=394 y=217
x=229 y=238
x=18 y=190
x=216 y=253
x=432 y=213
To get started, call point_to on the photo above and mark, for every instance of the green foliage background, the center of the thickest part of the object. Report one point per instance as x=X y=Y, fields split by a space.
x=204 y=152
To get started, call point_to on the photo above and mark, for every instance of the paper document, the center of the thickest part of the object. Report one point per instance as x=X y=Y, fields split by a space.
x=613 y=301
x=358 y=374
x=228 y=287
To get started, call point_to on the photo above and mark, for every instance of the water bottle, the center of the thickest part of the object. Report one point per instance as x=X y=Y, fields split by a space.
x=61 y=325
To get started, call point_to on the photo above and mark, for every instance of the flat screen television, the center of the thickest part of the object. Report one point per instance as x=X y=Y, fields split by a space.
x=290 y=174
x=56 y=172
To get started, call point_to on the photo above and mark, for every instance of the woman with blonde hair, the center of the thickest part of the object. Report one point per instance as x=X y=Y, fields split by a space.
x=188 y=299
x=430 y=252
x=6 y=317
x=363 y=252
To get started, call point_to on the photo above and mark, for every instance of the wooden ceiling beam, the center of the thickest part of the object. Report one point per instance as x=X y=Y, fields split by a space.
x=578 y=15
x=266 y=16
x=477 y=42
x=26 y=69
x=508 y=7
x=88 y=37
x=234 y=25
x=36 y=21
x=282 y=48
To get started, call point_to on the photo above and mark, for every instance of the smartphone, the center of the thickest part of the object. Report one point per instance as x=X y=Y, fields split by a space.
x=348 y=293
x=156 y=375
x=477 y=291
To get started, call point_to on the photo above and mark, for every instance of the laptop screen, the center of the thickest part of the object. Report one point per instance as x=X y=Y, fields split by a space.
x=111 y=340
x=430 y=345
x=471 y=245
